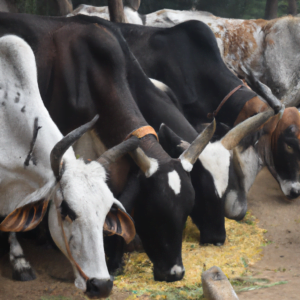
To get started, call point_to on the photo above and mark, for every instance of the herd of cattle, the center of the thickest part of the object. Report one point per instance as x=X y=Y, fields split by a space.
x=143 y=94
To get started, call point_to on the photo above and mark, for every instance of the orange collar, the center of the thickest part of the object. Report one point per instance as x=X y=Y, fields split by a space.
x=141 y=132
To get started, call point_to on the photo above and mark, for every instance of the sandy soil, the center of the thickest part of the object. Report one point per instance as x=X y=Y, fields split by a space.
x=281 y=259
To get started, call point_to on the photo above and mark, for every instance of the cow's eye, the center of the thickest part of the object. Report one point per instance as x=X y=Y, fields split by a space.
x=66 y=212
x=289 y=148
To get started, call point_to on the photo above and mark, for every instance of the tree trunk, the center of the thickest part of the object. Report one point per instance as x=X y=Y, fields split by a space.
x=271 y=9
x=292 y=10
x=134 y=4
x=65 y=7
x=8 y=6
x=116 y=11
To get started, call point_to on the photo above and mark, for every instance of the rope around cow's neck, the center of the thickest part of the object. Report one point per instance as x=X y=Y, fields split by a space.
x=213 y=114
x=84 y=276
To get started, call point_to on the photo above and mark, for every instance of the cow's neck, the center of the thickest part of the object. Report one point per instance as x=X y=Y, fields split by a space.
x=255 y=157
x=153 y=149
x=251 y=164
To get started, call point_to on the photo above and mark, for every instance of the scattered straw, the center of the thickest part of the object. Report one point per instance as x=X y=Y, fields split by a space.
x=241 y=249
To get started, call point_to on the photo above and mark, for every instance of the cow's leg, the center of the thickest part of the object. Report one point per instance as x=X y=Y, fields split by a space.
x=4 y=245
x=22 y=270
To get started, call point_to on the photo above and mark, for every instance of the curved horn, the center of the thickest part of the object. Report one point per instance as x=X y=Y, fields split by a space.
x=147 y=164
x=266 y=93
x=194 y=150
x=63 y=145
x=113 y=154
x=235 y=135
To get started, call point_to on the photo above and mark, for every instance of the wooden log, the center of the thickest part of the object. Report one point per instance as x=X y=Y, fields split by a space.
x=216 y=286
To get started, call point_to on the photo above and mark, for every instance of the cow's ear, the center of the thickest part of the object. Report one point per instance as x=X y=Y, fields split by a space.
x=26 y=217
x=119 y=222
x=171 y=142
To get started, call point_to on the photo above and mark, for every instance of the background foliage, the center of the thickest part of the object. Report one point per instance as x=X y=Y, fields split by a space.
x=37 y=7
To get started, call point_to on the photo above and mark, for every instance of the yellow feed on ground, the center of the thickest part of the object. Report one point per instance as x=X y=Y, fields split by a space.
x=241 y=249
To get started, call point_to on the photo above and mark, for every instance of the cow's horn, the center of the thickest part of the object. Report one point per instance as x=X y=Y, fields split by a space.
x=194 y=150
x=266 y=93
x=113 y=154
x=147 y=164
x=63 y=145
x=235 y=135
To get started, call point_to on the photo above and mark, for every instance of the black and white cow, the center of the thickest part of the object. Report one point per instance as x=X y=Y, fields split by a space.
x=217 y=177
x=38 y=166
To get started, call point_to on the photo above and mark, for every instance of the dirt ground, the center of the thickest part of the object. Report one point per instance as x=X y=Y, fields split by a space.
x=281 y=260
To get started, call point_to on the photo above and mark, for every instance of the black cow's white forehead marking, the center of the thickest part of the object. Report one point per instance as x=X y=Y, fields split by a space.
x=174 y=182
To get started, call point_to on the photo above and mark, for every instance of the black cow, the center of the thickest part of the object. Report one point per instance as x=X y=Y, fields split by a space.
x=82 y=70
x=187 y=59
x=187 y=53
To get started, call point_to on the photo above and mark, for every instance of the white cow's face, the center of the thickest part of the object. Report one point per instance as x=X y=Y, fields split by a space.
x=83 y=201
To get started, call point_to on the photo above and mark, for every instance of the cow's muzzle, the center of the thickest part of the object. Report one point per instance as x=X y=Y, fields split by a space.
x=175 y=274
x=290 y=189
x=294 y=194
x=98 y=288
x=235 y=206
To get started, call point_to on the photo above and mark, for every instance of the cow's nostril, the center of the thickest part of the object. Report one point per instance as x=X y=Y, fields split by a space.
x=98 y=288
x=294 y=193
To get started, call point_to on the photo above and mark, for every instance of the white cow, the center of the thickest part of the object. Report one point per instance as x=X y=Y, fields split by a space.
x=269 y=49
x=31 y=176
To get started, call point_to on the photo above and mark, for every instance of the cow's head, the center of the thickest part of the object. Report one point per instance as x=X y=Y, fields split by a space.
x=284 y=158
x=82 y=206
x=165 y=199
x=281 y=146
x=220 y=163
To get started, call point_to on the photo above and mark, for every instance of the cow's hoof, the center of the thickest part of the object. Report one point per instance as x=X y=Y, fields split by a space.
x=215 y=244
x=219 y=244
x=24 y=275
x=217 y=240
